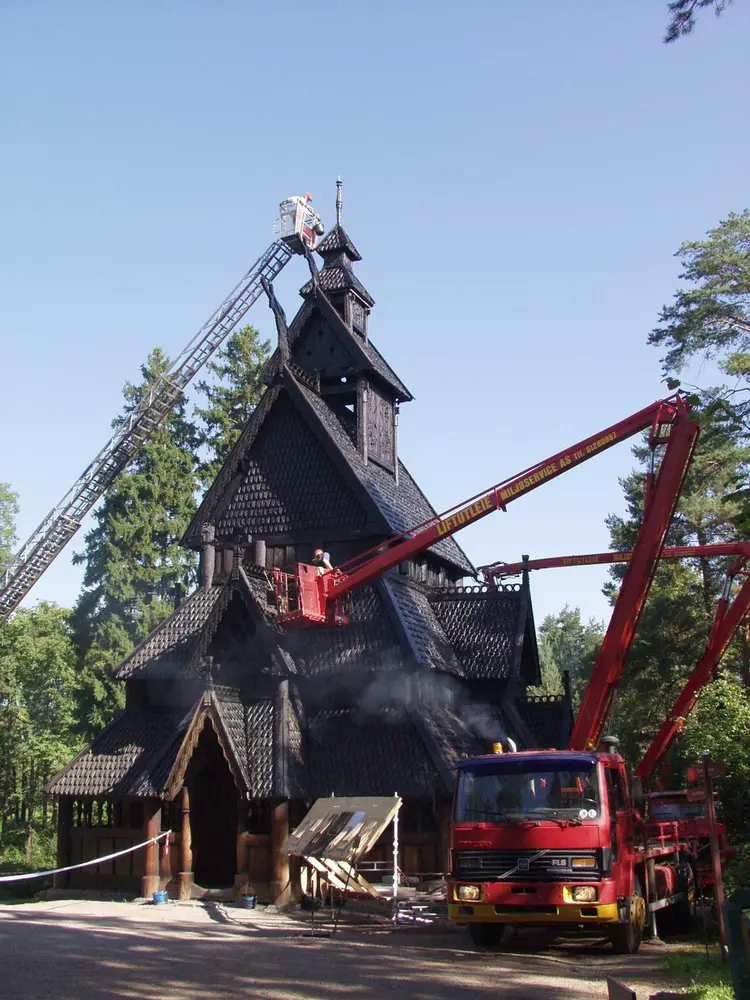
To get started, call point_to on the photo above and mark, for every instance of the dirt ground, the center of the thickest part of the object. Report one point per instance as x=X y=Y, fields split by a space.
x=83 y=950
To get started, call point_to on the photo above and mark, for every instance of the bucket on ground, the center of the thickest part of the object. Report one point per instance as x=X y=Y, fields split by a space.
x=249 y=902
x=161 y=897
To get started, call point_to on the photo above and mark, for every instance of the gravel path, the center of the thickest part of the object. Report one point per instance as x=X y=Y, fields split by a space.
x=76 y=950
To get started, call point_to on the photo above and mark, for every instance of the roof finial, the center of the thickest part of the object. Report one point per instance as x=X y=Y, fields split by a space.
x=338 y=201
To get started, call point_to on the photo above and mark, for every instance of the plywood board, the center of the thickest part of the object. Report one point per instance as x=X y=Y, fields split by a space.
x=342 y=829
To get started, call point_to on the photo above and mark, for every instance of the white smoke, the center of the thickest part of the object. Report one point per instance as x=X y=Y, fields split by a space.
x=427 y=691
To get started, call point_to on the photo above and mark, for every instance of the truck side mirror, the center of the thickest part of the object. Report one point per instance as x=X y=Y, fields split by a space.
x=637 y=797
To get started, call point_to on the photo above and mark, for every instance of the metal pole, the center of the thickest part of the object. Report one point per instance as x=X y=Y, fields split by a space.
x=395 y=860
x=715 y=854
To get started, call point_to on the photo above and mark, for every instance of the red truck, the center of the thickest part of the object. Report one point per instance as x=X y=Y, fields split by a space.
x=562 y=837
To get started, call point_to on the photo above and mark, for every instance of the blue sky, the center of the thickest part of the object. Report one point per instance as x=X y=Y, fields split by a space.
x=517 y=178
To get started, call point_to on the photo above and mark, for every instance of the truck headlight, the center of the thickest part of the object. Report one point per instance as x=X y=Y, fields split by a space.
x=583 y=863
x=583 y=893
x=470 y=893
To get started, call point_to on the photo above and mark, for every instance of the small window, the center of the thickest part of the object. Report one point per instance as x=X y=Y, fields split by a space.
x=615 y=790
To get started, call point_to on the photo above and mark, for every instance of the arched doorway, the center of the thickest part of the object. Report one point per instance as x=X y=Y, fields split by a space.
x=213 y=814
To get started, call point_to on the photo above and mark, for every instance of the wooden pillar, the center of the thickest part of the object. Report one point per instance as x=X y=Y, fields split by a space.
x=151 y=828
x=242 y=874
x=443 y=816
x=64 y=826
x=185 y=879
x=280 y=887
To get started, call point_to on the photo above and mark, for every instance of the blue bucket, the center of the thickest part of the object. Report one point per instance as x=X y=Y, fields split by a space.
x=249 y=902
x=161 y=897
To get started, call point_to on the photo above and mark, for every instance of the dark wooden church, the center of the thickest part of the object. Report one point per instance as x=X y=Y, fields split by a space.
x=233 y=726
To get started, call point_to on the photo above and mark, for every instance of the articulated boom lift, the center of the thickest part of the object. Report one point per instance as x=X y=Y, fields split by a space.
x=298 y=228
x=496 y=571
x=310 y=596
x=730 y=613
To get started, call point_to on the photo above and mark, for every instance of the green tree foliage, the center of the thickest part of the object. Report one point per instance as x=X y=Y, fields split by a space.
x=682 y=16
x=231 y=396
x=710 y=318
x=720 y=723
x=37 y=713
x=8 y=512
x=135 y=568
x=568 y=645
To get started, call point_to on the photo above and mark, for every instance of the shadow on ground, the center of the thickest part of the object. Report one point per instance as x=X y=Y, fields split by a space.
x=213 y=954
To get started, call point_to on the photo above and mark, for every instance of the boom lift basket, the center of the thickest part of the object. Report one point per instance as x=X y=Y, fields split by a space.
x=298 y=224
x=301 y=601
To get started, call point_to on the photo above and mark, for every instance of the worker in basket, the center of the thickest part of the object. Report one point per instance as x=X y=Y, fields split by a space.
x=322 y=560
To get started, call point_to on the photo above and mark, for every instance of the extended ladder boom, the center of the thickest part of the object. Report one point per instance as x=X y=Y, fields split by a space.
x=636 y=584
x=299 y=226
x=496 y=571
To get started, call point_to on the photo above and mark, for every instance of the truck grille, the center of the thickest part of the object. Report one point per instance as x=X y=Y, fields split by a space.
x=524 y=866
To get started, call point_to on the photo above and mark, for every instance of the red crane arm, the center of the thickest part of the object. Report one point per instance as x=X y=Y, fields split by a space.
x=659 y=508
x=308 y=598
x=499 y=570
x=728 y=618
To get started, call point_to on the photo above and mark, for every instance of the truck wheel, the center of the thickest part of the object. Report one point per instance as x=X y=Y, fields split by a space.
x=626 y=938
x=486 y=935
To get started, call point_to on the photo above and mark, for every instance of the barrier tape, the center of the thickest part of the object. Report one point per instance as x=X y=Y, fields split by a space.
x=85 y=864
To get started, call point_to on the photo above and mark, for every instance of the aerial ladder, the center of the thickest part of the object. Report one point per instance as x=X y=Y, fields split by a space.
x=298 y=229
x=311 y=596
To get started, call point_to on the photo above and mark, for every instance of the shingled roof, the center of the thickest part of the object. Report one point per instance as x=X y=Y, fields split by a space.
x=144 y=751
x=175 y=645
x=361 y=353
x=251 y=476
x=338 y=253
x=125 y=759
x=485 y=626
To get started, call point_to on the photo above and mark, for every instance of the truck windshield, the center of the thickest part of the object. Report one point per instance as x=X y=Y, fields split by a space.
x=515 y=792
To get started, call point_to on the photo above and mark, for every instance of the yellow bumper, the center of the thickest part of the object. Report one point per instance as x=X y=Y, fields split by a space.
x=484 y=913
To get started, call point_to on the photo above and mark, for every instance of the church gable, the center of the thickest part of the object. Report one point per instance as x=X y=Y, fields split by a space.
x=289 y=483
x=320 y=348
x=235 y=652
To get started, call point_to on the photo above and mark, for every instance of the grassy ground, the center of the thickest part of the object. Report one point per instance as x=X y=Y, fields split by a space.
x=710 y=978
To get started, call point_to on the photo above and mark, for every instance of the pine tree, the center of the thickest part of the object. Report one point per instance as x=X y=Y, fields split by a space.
x=682 y=16
x=231 y=397
x=568 y=645
x=677 y=618
x=135 y=567
x=8 y=511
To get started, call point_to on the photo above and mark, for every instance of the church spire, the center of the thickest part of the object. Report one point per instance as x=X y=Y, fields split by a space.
x=338 y=201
